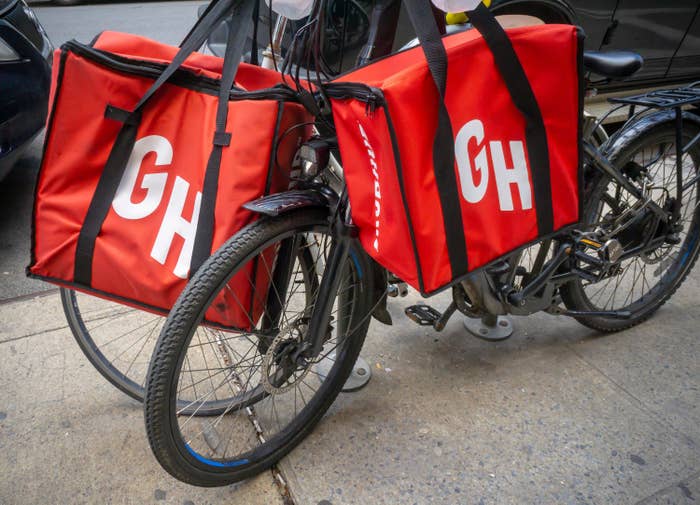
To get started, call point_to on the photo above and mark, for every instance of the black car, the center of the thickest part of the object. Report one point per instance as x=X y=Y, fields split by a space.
x=666 y=34
x=25 y=74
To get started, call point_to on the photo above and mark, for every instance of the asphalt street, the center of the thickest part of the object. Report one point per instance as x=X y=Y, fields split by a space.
x=167 y=22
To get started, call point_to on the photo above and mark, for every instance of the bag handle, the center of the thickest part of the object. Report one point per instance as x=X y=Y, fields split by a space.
x=522 y=96
x=220 y=9
x=199 y=21
x=237 y=33
x=421 y=14
x=126 y=138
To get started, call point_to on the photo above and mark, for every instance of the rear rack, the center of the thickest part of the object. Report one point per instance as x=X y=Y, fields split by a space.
x=670 y=99
x=663 y=98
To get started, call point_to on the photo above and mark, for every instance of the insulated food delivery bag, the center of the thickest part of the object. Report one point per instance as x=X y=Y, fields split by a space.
x=462 y=150
x=144 y=174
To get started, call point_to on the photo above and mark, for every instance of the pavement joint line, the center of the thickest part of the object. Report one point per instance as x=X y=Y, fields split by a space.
x=660 y=492
x=641 y=405
x=282 y=486
x=30 y=296
x=14 y=339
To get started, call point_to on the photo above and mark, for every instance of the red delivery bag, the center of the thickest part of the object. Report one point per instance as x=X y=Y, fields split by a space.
x=465 y=149
x=149 y=155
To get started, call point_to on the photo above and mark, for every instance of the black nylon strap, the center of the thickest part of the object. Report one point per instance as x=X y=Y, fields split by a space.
x=220 y=9
x=101 y=202
x=238 y=31
x=121 y=115
x=254 y=43
x=199 y=21
x=126 y=138
x=222 y=139
x=421 y=16
x=524 y=99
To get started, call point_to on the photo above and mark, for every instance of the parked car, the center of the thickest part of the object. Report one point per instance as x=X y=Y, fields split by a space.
x=666 y=34
x=25 y=74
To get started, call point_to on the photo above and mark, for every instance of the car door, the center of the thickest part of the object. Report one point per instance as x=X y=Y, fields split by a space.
x=652 y=28
x=686 y=62
x=595 y=17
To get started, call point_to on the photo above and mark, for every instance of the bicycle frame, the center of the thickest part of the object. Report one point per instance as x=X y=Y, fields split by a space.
x=489 y=291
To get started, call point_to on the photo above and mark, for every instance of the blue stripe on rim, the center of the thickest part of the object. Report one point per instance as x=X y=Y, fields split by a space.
x=216 y=463
x=357 y=263
x=691 y=246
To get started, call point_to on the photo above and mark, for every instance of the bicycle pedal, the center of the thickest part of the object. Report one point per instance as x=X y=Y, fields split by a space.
x=423 y=315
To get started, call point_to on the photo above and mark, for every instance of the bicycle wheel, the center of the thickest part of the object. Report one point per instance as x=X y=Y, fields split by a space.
x=646 y=280
x=117 y=340
x=273 y=394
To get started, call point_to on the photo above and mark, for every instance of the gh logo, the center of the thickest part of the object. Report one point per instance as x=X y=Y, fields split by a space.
x=154 y=185
x=505 y=176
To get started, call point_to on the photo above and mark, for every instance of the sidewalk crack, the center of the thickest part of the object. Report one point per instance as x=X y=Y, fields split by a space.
x=14 y=339
x=680 y=484
x=640 y=403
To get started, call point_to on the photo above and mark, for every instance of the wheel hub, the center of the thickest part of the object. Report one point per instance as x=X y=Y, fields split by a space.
x=282 y=366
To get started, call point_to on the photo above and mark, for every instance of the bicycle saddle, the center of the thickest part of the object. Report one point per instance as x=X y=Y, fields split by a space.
x=612 y=64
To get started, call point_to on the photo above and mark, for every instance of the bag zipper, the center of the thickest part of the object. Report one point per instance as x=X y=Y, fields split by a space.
x=373 y=97
x=138 y=67
x=182 y=76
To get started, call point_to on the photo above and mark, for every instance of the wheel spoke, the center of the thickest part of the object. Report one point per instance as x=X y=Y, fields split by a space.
x=644 y=278
x=259 y=378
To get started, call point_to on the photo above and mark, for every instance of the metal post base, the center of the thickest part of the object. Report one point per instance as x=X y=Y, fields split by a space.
x=359 y=377
x=491 y=328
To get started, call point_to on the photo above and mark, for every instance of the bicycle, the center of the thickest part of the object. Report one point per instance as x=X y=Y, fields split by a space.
x=641 y=213
x=118 y=340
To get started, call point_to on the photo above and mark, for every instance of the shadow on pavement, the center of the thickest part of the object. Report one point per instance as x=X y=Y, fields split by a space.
x=16 y=198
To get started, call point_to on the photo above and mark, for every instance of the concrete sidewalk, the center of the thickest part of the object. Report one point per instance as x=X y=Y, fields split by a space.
x=557 y=414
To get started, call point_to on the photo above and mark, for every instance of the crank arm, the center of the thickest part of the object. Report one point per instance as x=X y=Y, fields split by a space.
x=652 y=245
x=517 y=299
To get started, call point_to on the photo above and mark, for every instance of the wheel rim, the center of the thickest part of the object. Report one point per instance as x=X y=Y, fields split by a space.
x=267 y=404
x=643 y=279
x=117 y=339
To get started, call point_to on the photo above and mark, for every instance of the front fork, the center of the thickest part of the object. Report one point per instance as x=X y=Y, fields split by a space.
x=320 y=320
x=277 y=293
x=281 y=275
x=319 y=315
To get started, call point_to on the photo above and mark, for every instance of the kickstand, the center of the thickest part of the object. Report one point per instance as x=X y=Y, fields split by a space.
x=359 y=377
x=490 y=327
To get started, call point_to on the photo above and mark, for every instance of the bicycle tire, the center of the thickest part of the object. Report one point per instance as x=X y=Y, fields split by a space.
x=99 y=327
x=196 y=456
x=97 y=319
x=574 y=294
